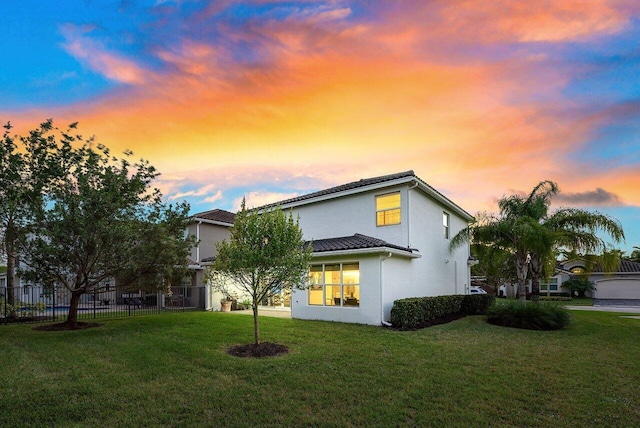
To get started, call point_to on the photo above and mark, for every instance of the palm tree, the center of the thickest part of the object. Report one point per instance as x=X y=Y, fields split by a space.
x=535 y=237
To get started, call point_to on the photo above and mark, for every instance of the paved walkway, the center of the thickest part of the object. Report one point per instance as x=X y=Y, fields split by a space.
x=265 y=313
x=623 y=309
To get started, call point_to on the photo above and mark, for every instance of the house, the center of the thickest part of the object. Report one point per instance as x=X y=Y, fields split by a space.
x=374 y=241
x=621 y=287
x=208 y=227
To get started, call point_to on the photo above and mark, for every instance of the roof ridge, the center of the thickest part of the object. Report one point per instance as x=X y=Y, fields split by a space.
x=343 y=187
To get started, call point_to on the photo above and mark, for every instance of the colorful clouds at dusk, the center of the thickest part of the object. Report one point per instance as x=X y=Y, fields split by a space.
x=272 y=99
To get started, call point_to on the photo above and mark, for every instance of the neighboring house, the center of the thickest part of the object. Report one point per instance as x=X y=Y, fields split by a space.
x=619 y=287
x=374 y=241
x=208 y=227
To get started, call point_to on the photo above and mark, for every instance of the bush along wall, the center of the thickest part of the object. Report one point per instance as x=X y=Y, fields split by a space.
x=418 y=312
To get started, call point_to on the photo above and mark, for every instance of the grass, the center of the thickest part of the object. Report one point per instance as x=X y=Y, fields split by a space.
x=172 y=370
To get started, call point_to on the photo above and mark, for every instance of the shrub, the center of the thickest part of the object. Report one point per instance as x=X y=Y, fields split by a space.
x=416 y=312
x=477 y=304
x=579 y=286
x=531 y=316
x=555 y=298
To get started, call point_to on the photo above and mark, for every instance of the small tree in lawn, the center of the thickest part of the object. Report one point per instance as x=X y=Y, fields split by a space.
x=99 y=221
x=265 y=255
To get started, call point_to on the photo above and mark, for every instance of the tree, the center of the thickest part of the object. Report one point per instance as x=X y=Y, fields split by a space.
x=99 y=221
x=536 y=237
x=264 y=256
x=494 y=264
x=24 y=177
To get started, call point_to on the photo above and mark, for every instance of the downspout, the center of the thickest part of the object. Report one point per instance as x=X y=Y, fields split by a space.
x=382 y=259
x=198 y=240
x=409 y=213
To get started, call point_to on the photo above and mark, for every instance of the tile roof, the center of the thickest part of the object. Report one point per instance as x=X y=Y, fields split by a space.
x=404 y=177
x=355 y=242
x=221 y=216
x=626 y=266
x=343 y=187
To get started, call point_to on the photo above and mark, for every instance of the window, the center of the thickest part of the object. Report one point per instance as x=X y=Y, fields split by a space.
x=388 y=209
x=578 y=270
x=334 y=285
x=445 y=225
x=551 y=285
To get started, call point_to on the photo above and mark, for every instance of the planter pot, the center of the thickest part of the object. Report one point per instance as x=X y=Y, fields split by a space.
x=225 y=306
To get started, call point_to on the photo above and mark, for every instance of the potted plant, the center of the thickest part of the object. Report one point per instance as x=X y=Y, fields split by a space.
x=225 y=304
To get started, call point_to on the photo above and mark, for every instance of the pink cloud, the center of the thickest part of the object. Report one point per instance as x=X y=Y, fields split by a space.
x=93 y=54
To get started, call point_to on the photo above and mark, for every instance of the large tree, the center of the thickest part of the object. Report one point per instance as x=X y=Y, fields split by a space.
x=26 y=170
x=101 y=221
x=525 y=226
x=264 y=256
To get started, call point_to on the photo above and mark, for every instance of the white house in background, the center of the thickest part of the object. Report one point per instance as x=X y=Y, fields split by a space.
x=374 y=241
x=621 y=287
x=208 y=227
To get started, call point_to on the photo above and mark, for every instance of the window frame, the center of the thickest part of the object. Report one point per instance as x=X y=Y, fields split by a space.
x=446 y=225
x=387 y=210
x=322 y=283
x=551 y=285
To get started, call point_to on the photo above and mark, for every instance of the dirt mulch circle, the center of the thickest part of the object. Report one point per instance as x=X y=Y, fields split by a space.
x=62 y=326
x=264 y=349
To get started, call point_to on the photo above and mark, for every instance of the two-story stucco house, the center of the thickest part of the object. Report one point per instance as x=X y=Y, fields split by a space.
x=374 y=241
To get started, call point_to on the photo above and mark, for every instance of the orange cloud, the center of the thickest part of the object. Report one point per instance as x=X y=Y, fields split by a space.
x=322 y=96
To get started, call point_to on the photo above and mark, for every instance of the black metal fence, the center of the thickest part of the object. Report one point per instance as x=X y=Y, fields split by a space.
x=41 y=304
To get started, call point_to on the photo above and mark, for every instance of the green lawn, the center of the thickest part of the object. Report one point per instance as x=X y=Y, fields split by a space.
x=172 y=370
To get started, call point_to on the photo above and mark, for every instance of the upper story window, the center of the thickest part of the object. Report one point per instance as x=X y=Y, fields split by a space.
x=445 y=225
x=388 y=209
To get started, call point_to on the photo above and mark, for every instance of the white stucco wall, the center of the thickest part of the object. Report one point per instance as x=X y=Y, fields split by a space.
x=369 y=310
x=439 y=271
x=351 y=214
x=208 y=234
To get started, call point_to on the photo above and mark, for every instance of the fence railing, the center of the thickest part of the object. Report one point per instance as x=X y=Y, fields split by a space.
x=40 y=304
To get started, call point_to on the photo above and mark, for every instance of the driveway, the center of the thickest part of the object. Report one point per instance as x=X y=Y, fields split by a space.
x=623 y=309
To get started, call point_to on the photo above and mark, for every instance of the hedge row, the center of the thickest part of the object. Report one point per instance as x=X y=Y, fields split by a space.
x=417 y=312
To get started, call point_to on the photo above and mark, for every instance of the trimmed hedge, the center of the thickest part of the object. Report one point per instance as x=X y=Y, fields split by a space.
x=555 y=299
x=416 y=312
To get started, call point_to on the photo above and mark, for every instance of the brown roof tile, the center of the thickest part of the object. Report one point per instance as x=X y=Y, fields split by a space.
x=221 y=216
x=355 y=242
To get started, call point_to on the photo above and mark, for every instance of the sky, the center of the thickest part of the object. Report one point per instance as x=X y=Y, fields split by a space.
x=273 y=99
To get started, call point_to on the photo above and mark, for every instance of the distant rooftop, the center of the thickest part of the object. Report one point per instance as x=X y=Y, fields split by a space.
x=217 y=215
x=626 y=266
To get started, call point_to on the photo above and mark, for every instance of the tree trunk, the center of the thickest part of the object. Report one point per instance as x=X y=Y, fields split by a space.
x=536 y=273
x=256 y=335
x=10 y=246
x=72 y=317
x=535 y=289
x=521 y=271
